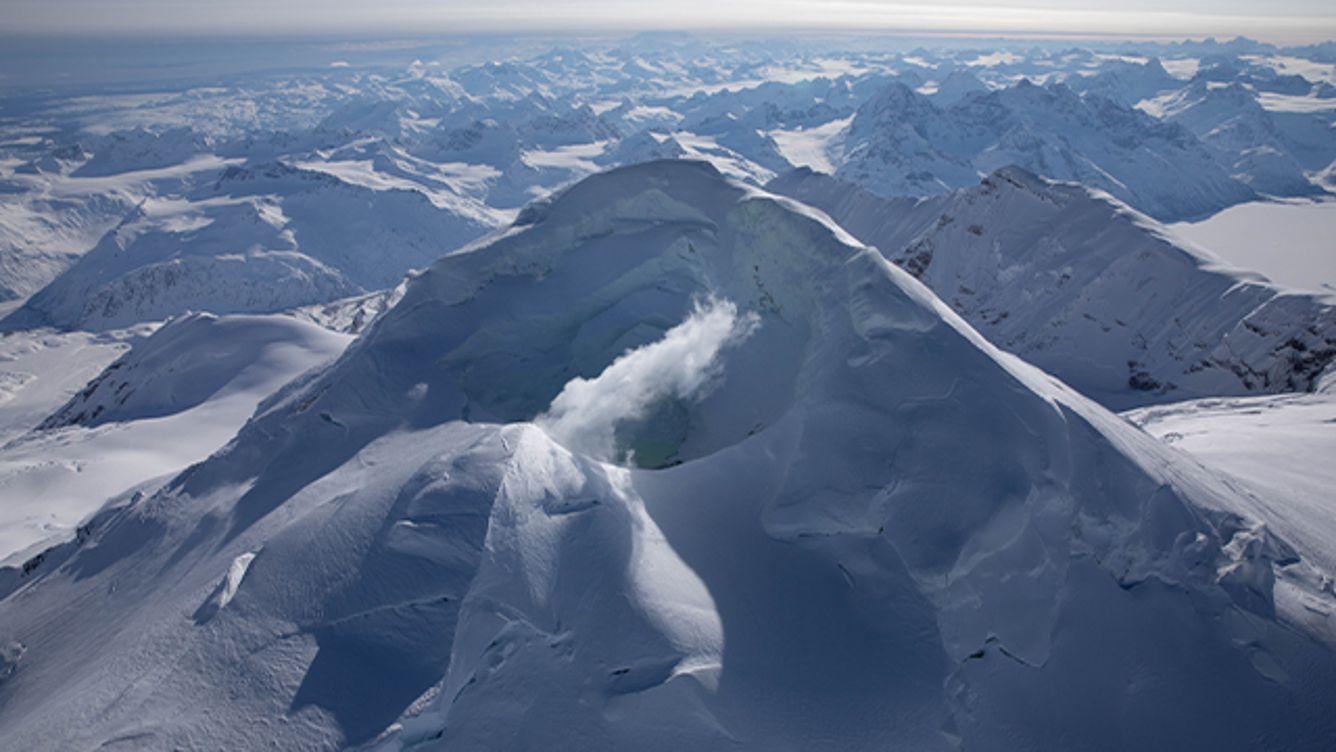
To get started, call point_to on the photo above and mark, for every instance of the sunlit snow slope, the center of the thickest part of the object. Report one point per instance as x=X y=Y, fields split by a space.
x=1074 y=281
x=864 y=528
x=1277 y=449
x=171 y=401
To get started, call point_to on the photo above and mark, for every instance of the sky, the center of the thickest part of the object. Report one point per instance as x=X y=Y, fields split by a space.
x=1277 y=21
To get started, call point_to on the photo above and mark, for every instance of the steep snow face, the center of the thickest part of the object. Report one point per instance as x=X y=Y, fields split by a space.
x=258 y=240
x=350 y=315
x=886 y=149
x=956 y=86
x=1087 y=289
x=194 y=359
x=41 y=237
x=873 y=529
x=1277 y=449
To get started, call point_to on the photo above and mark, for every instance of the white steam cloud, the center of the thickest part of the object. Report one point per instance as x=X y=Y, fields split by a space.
x=583 y=418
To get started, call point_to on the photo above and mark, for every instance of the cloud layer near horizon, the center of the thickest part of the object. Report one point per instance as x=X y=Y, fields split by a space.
x=1282 y=21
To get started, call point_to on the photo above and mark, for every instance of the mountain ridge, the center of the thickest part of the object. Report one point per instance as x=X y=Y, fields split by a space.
x=1090 y=290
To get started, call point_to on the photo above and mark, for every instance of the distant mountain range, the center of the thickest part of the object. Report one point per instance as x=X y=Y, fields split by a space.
x=1173 y=131
x=665 y=394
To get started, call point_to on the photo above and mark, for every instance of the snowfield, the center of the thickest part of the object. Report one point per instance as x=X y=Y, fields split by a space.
x=1275 y=449
x=173 y=400
x=1293 y=244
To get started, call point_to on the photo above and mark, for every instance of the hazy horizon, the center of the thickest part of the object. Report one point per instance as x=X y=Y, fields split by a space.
x=109 y=59
x=1284 y=23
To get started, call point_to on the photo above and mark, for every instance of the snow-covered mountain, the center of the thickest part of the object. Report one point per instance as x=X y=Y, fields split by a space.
x=140 y=149
x=1089 y=290
x=1176 y=131
x=1248 y=142
x=669 y=461
x=258 y=239
x=864 y=527
x=901 y=143
x=1128 y=83
x=48 y=218
x=177 y=396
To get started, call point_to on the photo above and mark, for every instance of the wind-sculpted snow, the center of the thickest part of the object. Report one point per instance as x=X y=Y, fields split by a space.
x=874 y=531
x=1276 y=447
x=1102 y=297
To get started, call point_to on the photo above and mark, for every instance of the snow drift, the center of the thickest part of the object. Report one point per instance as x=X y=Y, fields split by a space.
x=873 y=530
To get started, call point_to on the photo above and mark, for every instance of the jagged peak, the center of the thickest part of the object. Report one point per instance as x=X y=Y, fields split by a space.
x=1019 y=177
